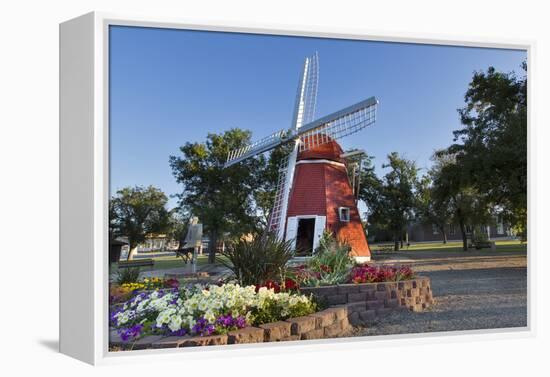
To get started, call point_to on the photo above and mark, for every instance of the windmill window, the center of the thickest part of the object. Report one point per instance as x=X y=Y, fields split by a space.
x=344 y=214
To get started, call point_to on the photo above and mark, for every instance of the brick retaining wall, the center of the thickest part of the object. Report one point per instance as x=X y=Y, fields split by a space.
x=364 y=302
x=328 y=323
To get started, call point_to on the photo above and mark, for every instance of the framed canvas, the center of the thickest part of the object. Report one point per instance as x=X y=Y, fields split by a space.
x=231 y=188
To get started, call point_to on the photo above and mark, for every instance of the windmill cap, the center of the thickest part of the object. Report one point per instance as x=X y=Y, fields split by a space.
x=328 y=151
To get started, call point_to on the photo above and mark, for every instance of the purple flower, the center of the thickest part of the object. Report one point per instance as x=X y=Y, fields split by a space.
x=240 y=322
x=209 y=330
x=130 y=333
x=180 y=332
x=229 y=322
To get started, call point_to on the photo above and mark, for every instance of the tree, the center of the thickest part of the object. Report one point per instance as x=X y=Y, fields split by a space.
x=491 y=147
x=222 y=198
x=368 y=182
x=178 y=225
x=430 y=208
x=391 y=205
x=451 y=185
x=136 y=212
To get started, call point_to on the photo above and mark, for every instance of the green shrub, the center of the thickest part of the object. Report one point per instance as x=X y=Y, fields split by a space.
x=257 y=261
x=271 y=311
x=479 y=236
x=128 y=275
x=330 y=264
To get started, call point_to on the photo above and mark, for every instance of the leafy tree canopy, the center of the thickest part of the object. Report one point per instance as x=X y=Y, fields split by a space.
x=491 y=147
x=136 y=212
x=222 y=198
x=392 y=204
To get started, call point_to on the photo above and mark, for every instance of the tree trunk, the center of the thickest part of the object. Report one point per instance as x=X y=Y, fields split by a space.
x=213 y=241
x=464 y=236
x=132 y=252
x=444 y=237
x=396 y=241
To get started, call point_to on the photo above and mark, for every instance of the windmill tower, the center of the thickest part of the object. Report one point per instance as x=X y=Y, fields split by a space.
x=313 y=189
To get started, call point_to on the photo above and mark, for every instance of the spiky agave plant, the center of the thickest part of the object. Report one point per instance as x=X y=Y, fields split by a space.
x=257 y=260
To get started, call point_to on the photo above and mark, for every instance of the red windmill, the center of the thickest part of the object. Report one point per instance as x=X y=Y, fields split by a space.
x=314 y=192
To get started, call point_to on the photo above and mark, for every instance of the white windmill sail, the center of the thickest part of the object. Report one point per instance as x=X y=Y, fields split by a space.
x=304 y=111
x=335 y=126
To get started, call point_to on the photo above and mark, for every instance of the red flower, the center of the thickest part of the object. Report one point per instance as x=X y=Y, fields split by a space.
x=172 y=283
x=325 y=268
x=290 y=284
x=269 y=284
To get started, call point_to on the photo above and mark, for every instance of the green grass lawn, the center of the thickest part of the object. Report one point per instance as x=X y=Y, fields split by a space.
x=507 y=245
x=169 y=262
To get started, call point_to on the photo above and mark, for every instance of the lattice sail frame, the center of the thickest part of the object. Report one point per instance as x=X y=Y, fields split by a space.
x=338 y=125
x=276 y=213
x=334 y=126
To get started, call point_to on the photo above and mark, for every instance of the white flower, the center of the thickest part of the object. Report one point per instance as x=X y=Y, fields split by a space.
x=175 y=323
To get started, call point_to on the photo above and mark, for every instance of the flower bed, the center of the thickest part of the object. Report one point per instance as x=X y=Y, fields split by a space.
x=306 y=276
x=366 y=301
x=332 y=264
x=122 y=292
x=366 y=273
x=204 y=310
x=329 y=323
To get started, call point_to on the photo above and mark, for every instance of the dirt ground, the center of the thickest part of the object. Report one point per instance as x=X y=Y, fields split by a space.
x=473 y=290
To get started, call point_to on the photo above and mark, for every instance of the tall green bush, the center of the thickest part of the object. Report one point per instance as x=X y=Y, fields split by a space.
x=331 y=262
x=259 y=260
x=128 y=275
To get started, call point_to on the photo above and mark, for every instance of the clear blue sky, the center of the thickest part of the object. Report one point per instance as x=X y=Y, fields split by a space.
x=169 y=87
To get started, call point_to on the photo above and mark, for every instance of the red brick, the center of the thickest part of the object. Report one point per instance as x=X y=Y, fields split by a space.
x=348 y=288
x=381 y=295
x=357 y=297
x=170 y=342
x=300 y=325
x=368 y=315
x=313 y=334
x=367 y=287
x=345 y=324
x=383 y=311
x=213 y=340
x=375 y=304
x=333 y=330
x=323 y=318
x=337 y=299
x=275 y=331
x=146 y=342
x=290 y=338
x=340 y=312
x=246 y=335
x=355 y=319
x=356 y=307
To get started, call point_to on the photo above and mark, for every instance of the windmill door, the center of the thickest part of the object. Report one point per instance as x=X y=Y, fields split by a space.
x=304 y=236
x=305 y=231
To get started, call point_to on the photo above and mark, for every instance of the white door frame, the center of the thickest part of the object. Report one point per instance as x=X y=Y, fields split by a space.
x=316 y=235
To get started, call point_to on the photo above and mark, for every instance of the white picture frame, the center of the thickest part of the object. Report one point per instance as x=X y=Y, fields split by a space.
x=84 y=184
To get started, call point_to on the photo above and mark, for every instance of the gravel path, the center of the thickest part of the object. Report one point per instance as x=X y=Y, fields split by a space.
x=473 y=290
